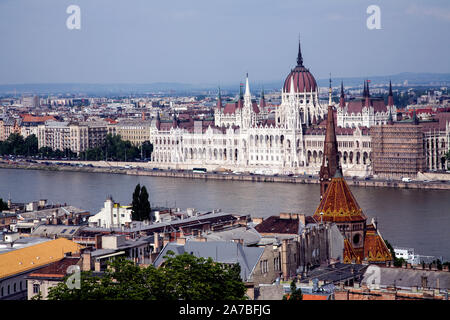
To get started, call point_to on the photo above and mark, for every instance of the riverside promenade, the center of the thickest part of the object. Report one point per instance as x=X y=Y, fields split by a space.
x=136 y=168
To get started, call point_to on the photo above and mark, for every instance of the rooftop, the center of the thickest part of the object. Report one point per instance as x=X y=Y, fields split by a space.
x=29 y=258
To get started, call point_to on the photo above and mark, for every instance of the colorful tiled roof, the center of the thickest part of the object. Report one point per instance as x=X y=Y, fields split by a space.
x=31 y=257
x=338 y=204
x=375 y=249
x=350 y=255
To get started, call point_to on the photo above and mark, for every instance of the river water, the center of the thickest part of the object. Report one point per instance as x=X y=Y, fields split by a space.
x=408 y=218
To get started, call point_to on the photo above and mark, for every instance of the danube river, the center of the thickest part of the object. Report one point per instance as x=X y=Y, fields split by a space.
x=408 y=218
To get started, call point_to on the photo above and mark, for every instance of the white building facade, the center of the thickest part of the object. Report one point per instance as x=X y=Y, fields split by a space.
x=111 y=215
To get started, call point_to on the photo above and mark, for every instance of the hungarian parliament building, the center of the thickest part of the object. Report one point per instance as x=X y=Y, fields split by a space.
x=245 y=136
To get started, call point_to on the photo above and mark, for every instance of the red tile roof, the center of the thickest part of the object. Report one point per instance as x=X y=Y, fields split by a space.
x=31 y=118
x=56 y=269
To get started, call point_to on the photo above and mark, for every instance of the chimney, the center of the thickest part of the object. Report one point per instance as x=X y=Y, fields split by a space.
x=87 y=262
x=98 y=241
x=257 y=220
x=285 y=215
x=284 y=259
x=424 y=282
x=156 y=241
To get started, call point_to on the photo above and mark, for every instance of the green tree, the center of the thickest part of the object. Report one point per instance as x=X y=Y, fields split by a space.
x=184 y=277
x=147 y=149
x=135 y=208
x=3 y=205
x=296 y=293
x=144 y=205
x=31 y=145
x=16 y=143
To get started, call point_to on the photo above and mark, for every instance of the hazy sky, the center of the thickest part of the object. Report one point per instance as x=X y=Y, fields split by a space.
x=208 y=41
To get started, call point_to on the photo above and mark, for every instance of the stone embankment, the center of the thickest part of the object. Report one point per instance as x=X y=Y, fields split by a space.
x=145 y=171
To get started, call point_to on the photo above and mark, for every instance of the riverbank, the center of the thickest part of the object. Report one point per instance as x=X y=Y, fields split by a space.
x=301 y=179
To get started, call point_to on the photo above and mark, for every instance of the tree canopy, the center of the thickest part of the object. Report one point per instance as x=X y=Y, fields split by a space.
x=296 y=293
x=181 y=277
x=3 y=205
x=114 y=148
x=140 y=206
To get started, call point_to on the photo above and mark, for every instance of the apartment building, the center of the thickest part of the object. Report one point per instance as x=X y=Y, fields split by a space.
x=135 y=131
x=78 y=137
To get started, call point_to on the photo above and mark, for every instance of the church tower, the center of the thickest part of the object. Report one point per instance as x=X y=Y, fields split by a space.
x=330 y=161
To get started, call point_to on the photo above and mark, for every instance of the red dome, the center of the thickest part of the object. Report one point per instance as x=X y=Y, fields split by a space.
x=303 y=80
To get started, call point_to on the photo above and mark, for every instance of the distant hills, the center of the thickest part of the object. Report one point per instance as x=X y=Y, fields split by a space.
x=413 y=79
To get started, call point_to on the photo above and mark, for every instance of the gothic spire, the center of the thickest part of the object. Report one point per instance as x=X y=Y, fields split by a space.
x=219 y=100
x=330 y=92
x=367 y=102
x=390 y=96
x=342 y=99
x=247 y=87
x=158 y=121
x=330 y=162
x=299 y=56
x=262 y=101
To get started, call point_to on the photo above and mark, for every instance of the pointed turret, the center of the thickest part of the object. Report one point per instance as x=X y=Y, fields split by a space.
x=367 y=96
x=299 y=55
x=241 y=97
x=330 y=162
x=342 y=98
x=174 y=121
x=390 y=96
x=158 y=122
x=219 y=101
x=262 y=101
x=247 y=87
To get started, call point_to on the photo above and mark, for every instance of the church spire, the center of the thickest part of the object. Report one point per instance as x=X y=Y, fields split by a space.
x=390 y=96
x=330 y=162
x=262 y=101
x=174 y=121
x=158 y=121
x=367 y=102
x=299 y=55
x=219 y=101
x=330 y=91
x=342 y=98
